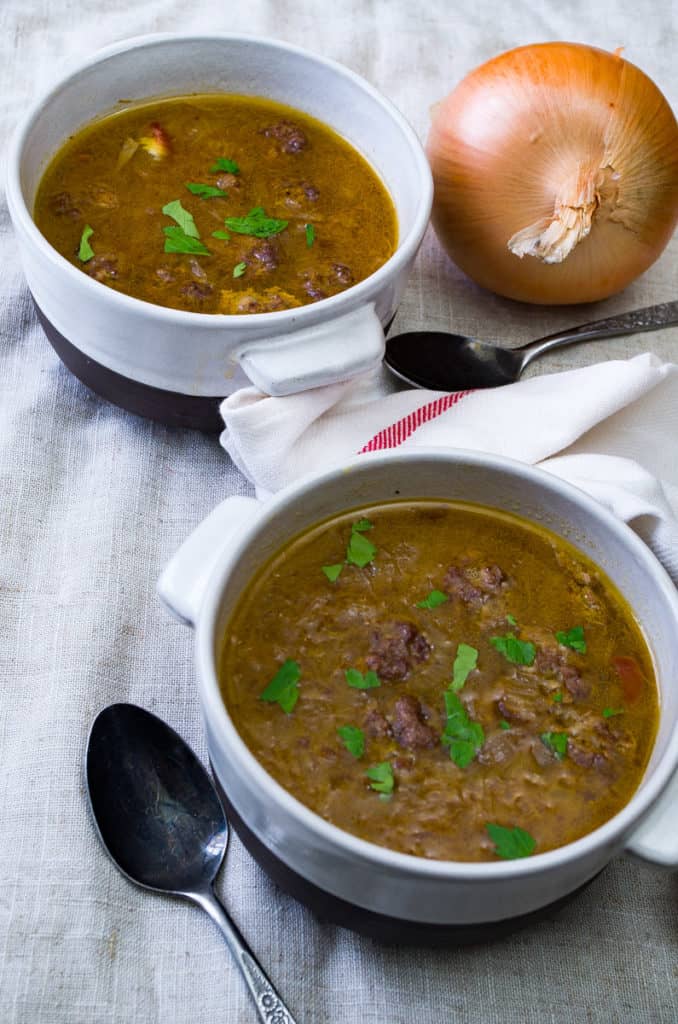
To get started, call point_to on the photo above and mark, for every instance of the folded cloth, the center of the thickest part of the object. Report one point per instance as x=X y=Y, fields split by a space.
x=610 y=429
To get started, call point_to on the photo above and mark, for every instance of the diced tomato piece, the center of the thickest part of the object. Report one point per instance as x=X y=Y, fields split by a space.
x=631 y=676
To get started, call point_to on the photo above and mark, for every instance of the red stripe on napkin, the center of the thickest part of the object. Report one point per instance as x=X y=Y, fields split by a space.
x=396 y=433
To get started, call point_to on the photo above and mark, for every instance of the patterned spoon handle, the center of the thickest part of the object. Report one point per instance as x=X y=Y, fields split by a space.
x=270 y=1007
x=649 y=319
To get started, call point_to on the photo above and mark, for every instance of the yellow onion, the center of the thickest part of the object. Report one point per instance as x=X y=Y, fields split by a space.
x=556 y=173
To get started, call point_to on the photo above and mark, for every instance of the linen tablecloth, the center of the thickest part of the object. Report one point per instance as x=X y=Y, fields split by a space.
x=93 y=503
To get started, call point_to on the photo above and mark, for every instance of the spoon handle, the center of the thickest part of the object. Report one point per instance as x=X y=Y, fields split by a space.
x=649 y=319
x=270 y=1007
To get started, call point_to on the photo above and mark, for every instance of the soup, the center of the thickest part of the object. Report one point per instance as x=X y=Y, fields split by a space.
x=216 y=204
x=442 y=679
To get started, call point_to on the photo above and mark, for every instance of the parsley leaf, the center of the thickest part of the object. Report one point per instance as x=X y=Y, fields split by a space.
x=183 y=218
x=283 y=688
x=359 y=681
x=256 y=223
x=239 y=269
x=557 y=698
x=360 y=551
x=362 y=526
x=464 y=663
x=177 y=241
x=511 y=843
x=353 y=739
x=461 y=735
x=381 y=777
x=434 y=600
x=519 y=652
x=222 y=234
x=556 y=742
x=333 y=572
x=504 y=724
x=611 y=712
x=86 y=252
x=462 y=752
x=310 y=235
x=511 y=619
x=573 y=638
x=205 y=191
x=224 y=164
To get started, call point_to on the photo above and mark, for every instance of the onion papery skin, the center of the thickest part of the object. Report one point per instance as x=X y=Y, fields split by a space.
x=550 y=123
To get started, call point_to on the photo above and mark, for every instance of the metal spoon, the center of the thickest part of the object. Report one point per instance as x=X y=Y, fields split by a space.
x=452 y=362
x=161 y=821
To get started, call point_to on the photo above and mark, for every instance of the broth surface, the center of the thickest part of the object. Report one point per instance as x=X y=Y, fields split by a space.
x=325 y=219
x=548 y=734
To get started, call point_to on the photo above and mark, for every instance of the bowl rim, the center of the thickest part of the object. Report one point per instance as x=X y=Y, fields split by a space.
x=215 y=712
x=302 y=316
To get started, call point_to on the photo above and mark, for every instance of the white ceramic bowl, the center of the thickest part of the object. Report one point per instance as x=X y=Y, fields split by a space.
x=171 y=364
x=202 y=585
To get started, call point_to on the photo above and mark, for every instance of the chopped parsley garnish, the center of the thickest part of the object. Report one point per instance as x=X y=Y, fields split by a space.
x=557 y=698
x=519 y=652
x=239 y=269
x=310 y=235
x=333 y=572
x=381 y=777
x=511 y=619
x=359 y=681
x=611 y=712
x=461 y=735
x=177 y=240
x=556 y=742
x=434 y=600
x=183 y=218
x=353 y=739
x=86 y=252
x=256 y=223
x=360 y=551
x=464 y=663
x=222 y=234
x=185 y=238
x=283 y=688
x=362 y=526
x=573 y=638
x=511 y=843
x=504 y=724
x=205 y=191
x=224 y=164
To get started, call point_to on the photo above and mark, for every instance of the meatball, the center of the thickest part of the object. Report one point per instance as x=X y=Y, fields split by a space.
x=473 y=584
x=299 y=195
x=289 y=136
x=102 y=268
x=62 y=205
x=197 y=290
x=395 y=648
x=409 y=725
x=263 y=257
x=267 y=301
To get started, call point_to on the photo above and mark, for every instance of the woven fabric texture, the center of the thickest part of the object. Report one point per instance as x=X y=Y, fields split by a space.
x=94 y=501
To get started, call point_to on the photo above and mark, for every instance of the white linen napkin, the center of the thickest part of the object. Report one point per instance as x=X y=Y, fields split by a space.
x=611 y=429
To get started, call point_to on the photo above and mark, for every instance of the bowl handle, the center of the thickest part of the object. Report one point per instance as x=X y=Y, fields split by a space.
x=325 y=353
x=182 y=585
x=656 y=840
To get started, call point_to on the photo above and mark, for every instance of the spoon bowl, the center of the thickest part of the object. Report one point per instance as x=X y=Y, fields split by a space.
x=160 y=820
x=443 y=361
